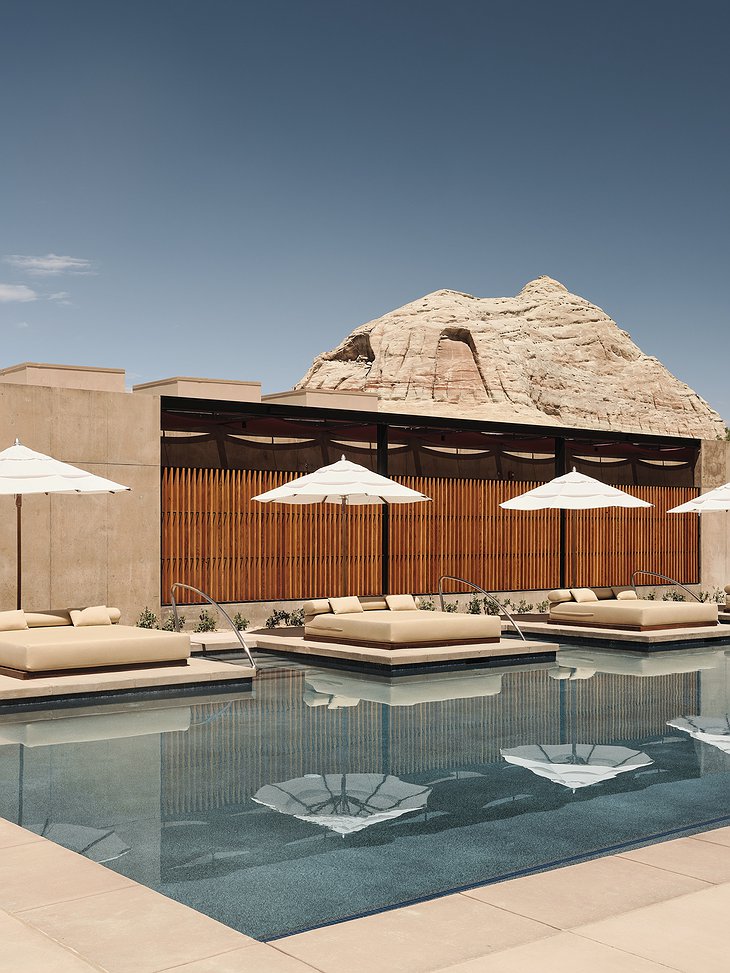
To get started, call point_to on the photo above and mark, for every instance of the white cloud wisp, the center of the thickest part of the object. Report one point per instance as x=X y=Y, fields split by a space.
x=50 y=265
x=16 y=293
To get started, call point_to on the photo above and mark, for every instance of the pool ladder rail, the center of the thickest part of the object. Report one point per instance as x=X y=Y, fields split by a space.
x=176 y=617
x=488 y=594
x=664 y=577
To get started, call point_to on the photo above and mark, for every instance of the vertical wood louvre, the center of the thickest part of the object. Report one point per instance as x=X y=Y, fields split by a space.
x=216 y=538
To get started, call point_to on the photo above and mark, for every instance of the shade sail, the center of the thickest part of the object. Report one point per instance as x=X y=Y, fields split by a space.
x=577 y=765
x=344 y=803
x=713 y=730
x=342 y=481
x=717 y=499
x=573 y=491
x=24 y=471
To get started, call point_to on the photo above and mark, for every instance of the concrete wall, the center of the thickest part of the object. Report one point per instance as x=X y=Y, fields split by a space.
x=715 y=527
x=85 y=550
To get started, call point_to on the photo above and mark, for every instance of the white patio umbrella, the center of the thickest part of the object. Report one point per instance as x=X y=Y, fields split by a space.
x=346 y=484
x=578 y=764
x=717 y=499
x=344 y=803
x=572 y=491
x=24 y=472
x=714 y=730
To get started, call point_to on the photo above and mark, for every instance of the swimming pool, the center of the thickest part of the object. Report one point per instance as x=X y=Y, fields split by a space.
x=322 y=794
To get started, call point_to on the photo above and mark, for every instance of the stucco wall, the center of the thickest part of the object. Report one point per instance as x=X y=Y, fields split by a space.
x=715 y=527
x=85 y=550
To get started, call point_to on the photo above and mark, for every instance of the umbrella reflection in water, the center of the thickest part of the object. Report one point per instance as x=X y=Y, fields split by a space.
x=578 y=764
x=344 y=803
x=714 y=730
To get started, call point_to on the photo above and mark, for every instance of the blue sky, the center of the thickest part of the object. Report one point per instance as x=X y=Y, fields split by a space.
x=238 y=185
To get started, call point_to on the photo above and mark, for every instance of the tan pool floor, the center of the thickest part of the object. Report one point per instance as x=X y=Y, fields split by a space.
x=659 y=908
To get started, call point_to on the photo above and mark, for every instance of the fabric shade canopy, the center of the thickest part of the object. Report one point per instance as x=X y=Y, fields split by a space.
x=714 y=730
x=573 y=491
x=24 y=472
x=717 y=499
x=344 y=483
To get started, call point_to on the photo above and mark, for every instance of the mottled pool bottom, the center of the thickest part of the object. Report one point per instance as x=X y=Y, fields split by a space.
x=325 y=795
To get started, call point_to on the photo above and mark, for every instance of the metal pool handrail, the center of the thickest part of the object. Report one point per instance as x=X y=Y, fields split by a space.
x=189 y=587
x=664 y=577
x=451 y=577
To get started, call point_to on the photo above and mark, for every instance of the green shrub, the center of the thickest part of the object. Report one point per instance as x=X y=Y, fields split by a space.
x=673 y=596
x=716 y=597
x=147 y=619
x=650 y=596
x=523 y=607
x=490 y=607
x=426 y=604
x=240 y=622
x=277 y=618
x=169 y=623
x=296 y=618
x=474 y=606
x=207 y=621
x=543 y=606
x=451 y=606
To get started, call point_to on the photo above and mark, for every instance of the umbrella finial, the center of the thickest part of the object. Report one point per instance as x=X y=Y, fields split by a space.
x=17 y=441
x=343 y=456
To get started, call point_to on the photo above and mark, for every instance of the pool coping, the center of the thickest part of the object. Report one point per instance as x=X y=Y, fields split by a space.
x=50 y=926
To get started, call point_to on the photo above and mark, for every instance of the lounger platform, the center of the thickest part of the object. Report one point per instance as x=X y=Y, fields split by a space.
x=399 y=661
x=647 y=641
x=724 y=618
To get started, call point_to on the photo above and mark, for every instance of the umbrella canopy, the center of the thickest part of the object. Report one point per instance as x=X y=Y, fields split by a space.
x=714 y=730
x=342 y=481
x=344 y=803
x=573 y=491
x=717 y=499
x=347 y=484
x=24 y=471
x=577 y=765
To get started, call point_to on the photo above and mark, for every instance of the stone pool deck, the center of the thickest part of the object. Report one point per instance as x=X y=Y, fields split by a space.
x=659 y=908
x=199 y=673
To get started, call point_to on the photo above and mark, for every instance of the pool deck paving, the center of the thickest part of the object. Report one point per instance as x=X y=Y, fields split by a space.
x=658 y=908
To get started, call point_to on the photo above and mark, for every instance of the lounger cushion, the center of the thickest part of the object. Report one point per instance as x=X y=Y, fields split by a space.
x=41 y=649
x=727 y=589
x=12 y=621
x=346 y=606
x=404 y=627
x=318 y=606
x=582 y=595
x=48 y=619
x=558 y=595
x=401 y=603
x=636 y=613
x=95 y=615
x=374 y=605
x=628 y=595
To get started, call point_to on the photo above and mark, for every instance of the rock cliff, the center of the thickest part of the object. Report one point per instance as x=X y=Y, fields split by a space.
x=545 y=356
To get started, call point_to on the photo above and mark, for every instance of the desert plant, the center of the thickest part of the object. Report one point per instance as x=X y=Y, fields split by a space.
x=426 y=604
x=240 y=622
x=523 y=607
x=207 y=621
x=673 y=596
x=474 y=606
x=716 y=597
x=296 y=618
x=278 y=618
x=168 y=624
x=542 y=606
x=451 y=606
x=490 y=607
x=147 y=619
x=650 y=596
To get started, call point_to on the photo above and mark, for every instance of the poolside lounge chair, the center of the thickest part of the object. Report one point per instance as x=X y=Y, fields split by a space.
x=394 y=622
x=621 y=609
x=72 y=641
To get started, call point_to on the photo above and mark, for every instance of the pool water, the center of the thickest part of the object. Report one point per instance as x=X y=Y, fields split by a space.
x=322 y=795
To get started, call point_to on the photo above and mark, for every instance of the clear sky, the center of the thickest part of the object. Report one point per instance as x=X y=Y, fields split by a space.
x=236 y=184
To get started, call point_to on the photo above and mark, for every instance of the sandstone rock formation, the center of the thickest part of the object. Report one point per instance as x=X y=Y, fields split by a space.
x=545 y=356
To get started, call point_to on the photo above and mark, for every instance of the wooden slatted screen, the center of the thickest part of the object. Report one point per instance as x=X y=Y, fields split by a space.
x=604 y=547
x=216 y=538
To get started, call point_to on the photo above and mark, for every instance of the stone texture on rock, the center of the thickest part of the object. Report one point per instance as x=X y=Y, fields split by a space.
x=545 y=356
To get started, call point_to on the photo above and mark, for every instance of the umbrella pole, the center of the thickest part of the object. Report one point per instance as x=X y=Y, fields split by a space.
x=344 y=545
x=19 y=550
